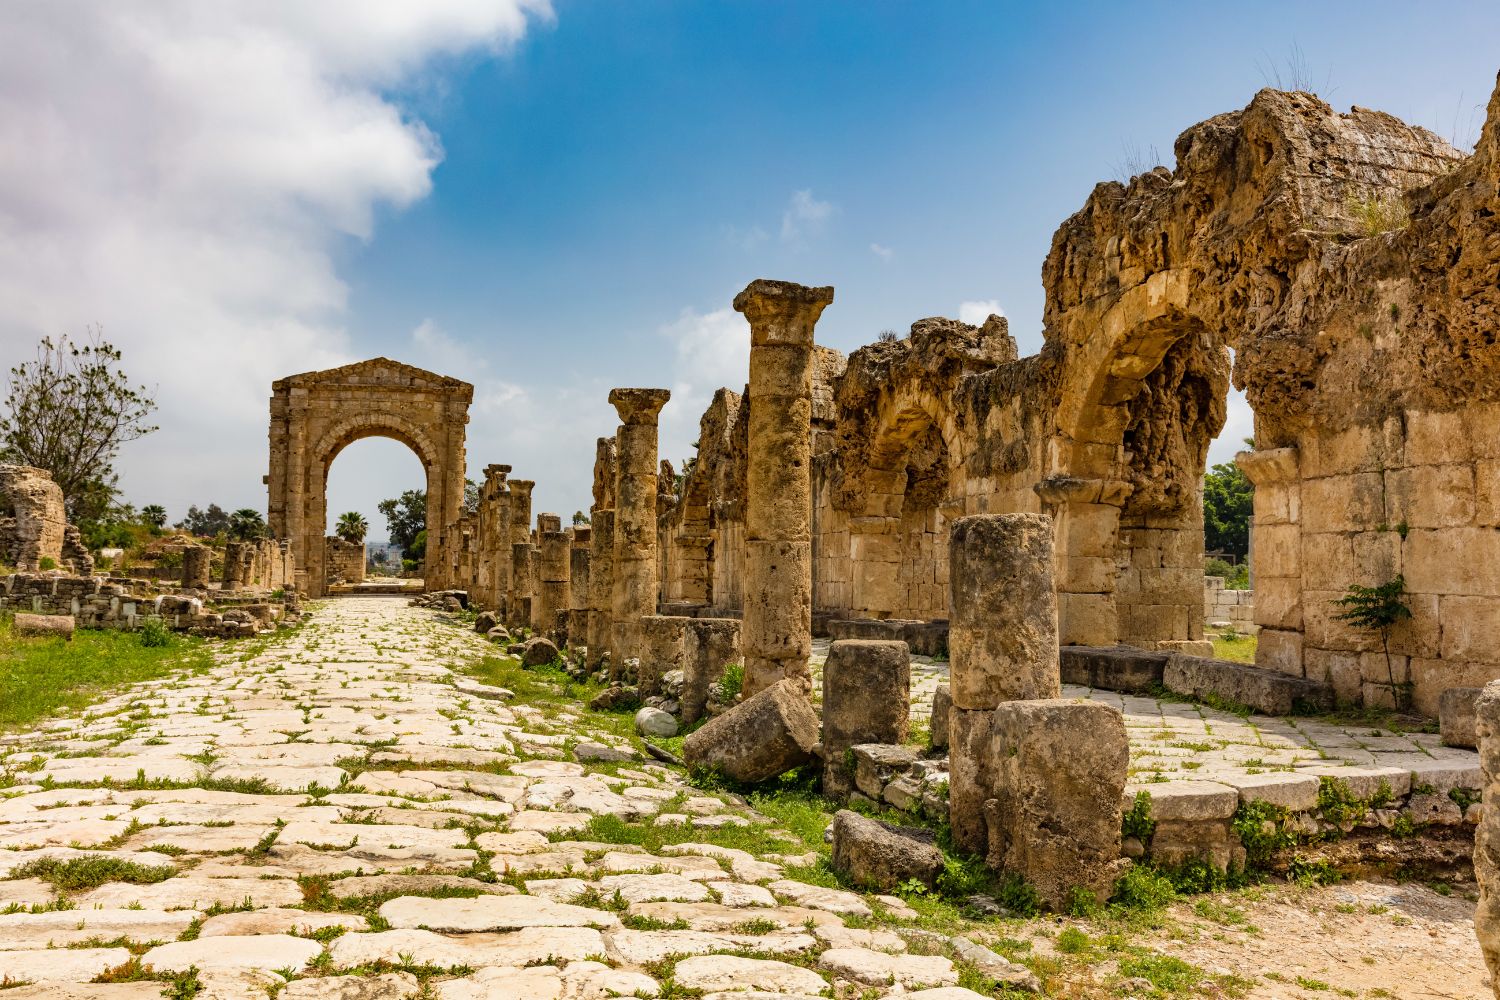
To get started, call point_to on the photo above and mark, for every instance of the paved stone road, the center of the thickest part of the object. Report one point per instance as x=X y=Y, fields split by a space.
x=347 y=764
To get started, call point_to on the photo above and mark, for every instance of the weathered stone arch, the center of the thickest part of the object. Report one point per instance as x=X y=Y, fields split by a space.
x=315 y=415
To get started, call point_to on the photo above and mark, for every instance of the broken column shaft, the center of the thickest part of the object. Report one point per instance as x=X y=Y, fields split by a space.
x=778 y=520
x=554 y=592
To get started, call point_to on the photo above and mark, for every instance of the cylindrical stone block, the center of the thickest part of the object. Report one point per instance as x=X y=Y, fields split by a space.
x=1002 y=643
x=548 y=522
x=969 y=777
x=195 y=560
x=866 y=699
x=635 y=583
x=778 y=613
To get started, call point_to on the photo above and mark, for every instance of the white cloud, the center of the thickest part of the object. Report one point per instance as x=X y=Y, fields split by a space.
x=710 y=351
x=883 y=252
x=805 y=217
x=976 y=312
x=183 y=173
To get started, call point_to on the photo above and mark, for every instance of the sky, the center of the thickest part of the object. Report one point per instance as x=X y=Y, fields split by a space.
x=551 y=200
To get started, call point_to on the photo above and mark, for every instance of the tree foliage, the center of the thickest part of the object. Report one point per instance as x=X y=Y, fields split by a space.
x=352 y=527
x=205 y=523
x=155 y=515
x=246 y=525
x=69 y=411
x=1228 y=499
x=405 y=518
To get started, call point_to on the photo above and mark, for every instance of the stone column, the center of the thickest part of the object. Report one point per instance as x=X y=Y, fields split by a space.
x=635 y=572
x=1002 y=642
x=778 y=528
x=554 y=593
x=602 y=555
x=1487 y=840
x=866 y=699
x=519 y=604
x=578 y=584
x=601 y=590
x=520 y=532
x=195 y=559
x=1086 y=516
x=1277 y=476
x=1002 y=646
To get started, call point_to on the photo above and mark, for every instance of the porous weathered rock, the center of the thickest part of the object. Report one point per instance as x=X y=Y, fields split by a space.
x=881 y=857
x=1058 y=773
x=1003 y=637
x=1487 y=838
x=969 y=776
x=763 y=736
x=866 y=698
x=485 y=623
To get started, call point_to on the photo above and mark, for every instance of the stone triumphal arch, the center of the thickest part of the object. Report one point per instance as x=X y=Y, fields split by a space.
x=315 y=415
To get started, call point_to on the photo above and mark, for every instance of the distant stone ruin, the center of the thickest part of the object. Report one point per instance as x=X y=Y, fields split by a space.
x=34 y=528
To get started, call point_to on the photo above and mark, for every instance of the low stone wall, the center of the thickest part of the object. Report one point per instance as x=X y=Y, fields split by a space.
x=923 y=638
x=1237 y=607
x=103 y=602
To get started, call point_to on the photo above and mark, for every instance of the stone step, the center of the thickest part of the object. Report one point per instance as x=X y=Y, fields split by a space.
x=1263 y=690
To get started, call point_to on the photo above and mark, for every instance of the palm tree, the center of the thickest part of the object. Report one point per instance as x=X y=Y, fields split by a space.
x=246 y=524
x=352 y=527
x=155 y=515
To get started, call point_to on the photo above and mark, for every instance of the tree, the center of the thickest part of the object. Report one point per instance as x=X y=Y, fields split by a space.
x=205 y=523
x=1379 y=609
x=405 y=517
x=155 y=515
x=246 y=525
x=352 y=527
x=579 y=517
x=1228 y=499
x=471 y=497
x=69 y=411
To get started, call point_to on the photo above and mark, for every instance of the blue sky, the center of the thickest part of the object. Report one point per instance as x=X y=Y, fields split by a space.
x=557 y=201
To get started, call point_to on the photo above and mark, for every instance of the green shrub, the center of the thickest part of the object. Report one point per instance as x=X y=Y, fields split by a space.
x=1137 y=821
x=154 y=633
x=1144 y=888
x=731 y=682
x=46 y=563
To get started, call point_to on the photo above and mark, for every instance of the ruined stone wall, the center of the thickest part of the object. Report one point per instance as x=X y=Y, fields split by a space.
x=32 y=519
x=1342 y=269
x=346 y=560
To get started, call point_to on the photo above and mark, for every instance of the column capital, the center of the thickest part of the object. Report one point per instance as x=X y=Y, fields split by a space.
x=639 y=406
x=522 y=486
x=782 y=312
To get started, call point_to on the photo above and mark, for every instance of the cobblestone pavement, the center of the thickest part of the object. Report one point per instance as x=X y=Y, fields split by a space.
x=342 y=809
x=1182 y=743
x=339 y=813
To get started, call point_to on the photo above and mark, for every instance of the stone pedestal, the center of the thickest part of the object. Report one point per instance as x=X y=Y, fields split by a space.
x=1003 y=637
x=866 y=699
x=778 y=520
x=195 y=564
x=711 y=645
x=1058 y=776
x=635 y=582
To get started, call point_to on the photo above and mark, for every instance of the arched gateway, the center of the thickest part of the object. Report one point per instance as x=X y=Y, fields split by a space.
x=316 y=414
